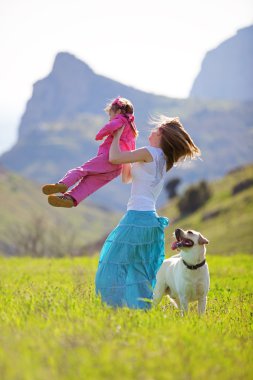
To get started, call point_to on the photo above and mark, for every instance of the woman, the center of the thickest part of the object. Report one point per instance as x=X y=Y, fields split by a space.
x=134 y=250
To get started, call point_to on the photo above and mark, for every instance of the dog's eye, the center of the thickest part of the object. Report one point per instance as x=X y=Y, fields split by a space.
x=189 y=232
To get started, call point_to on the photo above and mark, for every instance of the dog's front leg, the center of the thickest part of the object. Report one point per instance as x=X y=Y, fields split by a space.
x=158 y=293
x=183 y=305
x=202 y=305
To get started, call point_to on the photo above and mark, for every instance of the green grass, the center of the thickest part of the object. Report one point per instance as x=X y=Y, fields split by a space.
x=53 y=327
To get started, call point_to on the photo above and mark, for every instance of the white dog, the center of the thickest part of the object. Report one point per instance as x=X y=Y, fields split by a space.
x=185 y=277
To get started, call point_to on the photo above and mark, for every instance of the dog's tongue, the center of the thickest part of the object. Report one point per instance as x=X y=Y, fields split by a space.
x=175 y=245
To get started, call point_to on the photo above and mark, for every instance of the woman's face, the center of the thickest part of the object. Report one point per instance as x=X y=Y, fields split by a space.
x=155 y=137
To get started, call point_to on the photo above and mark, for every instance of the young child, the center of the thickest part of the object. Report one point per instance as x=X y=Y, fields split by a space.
x=98 y=171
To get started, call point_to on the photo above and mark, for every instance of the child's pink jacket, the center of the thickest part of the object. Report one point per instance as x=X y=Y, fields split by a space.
x=98 y=171
x=127 y=139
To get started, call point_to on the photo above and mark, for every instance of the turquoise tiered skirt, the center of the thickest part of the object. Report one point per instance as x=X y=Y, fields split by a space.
x=130 y=259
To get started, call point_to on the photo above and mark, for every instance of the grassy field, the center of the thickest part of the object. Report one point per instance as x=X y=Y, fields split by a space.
x=53 y=327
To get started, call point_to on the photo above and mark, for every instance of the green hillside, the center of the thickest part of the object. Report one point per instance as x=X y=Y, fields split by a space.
x=229 y=230
x=226 y=219
x=25 y=213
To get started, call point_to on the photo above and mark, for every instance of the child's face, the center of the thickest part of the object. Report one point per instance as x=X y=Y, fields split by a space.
x=112 y=114
x=155 y=137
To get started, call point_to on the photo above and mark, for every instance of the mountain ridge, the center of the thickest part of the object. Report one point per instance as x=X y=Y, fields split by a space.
x=226 y=71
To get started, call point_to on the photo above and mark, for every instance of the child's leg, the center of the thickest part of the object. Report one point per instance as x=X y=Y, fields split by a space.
x=90 y=184
x=74 y=175
x=70 y=178
x=94 y=174
x=96 y=165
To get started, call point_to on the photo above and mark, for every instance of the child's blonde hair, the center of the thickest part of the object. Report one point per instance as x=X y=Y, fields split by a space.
x=126 y=108
x=176 y=143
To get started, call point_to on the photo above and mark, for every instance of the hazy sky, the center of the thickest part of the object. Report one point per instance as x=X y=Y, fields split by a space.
x=156 y=46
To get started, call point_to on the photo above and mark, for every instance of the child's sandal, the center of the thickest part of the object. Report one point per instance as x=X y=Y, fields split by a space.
x=54 y=188
x=60 y=201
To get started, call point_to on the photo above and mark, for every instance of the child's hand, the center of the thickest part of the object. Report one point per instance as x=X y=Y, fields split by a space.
x=98 y=137
x=118 y=133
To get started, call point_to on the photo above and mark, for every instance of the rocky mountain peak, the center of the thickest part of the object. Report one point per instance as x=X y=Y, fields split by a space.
x=66 y=65
x=226 y=71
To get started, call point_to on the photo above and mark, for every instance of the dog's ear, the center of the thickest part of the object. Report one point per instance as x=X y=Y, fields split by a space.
x=202 y=240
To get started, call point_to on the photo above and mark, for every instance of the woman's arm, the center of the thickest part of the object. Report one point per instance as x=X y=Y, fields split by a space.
x=116 y=156
x=126 y=175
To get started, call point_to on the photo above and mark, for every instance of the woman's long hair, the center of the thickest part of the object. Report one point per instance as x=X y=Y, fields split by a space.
x=176 y=143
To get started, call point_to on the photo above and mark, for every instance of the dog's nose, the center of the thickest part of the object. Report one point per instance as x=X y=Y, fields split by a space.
x=177 y=232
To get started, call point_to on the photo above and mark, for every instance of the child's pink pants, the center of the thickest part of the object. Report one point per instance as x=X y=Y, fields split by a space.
x=92 y=175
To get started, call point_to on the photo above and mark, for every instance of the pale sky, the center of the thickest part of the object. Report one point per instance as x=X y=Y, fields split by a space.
x=156 y=46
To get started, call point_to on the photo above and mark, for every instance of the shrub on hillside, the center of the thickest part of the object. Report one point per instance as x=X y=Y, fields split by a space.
x=171 y=187
x=211 y=214
x=243 y=185
x=194 y=197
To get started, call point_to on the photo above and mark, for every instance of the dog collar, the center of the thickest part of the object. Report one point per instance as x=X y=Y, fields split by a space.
x=194 y=266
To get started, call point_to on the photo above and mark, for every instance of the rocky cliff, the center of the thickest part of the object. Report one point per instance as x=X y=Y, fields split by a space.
x=227 y=71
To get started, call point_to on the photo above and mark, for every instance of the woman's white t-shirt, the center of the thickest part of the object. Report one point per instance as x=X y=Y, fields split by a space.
x=147 y=181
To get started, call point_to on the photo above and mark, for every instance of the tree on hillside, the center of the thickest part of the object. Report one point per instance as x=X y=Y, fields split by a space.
x=171 y=187
x=38 y=239
x=194 y=197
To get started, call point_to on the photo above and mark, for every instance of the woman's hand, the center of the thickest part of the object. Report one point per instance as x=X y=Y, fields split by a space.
x=118 y=133
x=116 y=156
